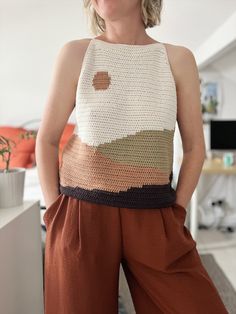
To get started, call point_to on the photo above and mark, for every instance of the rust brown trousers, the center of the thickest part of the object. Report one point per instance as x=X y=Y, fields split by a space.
x=86 y=242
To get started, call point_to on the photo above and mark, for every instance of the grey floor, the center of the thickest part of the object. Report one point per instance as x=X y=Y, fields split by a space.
x=223 y=247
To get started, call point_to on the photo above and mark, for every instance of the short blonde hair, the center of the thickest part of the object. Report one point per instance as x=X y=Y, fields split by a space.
x=151 y=15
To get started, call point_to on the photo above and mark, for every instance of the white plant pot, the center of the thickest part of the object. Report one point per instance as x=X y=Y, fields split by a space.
x=12 y=187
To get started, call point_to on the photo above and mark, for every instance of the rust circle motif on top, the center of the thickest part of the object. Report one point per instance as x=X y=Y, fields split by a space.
x=101 y=80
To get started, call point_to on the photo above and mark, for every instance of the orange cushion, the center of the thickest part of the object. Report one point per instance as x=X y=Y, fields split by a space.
x=23 y=155
x=23 y=152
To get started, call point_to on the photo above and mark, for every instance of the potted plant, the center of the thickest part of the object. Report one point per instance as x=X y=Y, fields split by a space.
x=11 y=179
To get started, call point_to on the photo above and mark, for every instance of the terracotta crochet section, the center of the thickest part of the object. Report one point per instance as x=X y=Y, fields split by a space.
x=101 y=168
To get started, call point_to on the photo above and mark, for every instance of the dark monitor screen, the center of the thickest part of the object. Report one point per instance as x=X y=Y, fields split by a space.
x=223 y=134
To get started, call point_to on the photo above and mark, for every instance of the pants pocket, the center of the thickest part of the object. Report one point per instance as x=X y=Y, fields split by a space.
x=51 y=210
x=63 y=228
x=179 y=212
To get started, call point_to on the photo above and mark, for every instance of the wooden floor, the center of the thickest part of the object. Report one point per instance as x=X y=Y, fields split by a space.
x=223 y=246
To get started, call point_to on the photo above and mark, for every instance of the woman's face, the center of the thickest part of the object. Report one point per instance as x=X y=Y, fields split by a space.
x=115 y=9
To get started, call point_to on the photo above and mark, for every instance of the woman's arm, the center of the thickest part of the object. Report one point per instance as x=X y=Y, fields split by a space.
x=59 y=105
x=189 y=120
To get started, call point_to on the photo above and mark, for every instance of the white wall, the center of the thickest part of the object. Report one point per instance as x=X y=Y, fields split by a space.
x=31 y=36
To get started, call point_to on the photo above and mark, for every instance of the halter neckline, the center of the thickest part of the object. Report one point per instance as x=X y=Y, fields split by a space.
x=106 y=43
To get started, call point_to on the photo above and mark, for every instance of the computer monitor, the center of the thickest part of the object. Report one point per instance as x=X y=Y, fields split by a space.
x=223 y=134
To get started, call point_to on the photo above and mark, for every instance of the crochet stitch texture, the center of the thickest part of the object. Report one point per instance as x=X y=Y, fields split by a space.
x=121 y=151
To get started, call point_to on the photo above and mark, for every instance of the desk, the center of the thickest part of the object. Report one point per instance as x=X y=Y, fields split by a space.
x=210 y=166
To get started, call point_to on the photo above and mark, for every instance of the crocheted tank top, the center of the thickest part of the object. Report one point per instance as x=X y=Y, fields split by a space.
x=121 y=151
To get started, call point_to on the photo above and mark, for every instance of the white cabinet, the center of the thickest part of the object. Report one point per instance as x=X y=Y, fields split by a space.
x=21 y=267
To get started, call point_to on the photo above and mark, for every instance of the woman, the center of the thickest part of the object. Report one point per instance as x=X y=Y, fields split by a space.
x=110 y=200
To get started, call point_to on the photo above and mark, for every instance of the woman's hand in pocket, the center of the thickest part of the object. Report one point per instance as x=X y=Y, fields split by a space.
x=49 y=210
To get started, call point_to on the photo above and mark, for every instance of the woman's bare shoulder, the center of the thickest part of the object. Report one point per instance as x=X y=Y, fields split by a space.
x=178 y=48
x=71 y=55
x=76 y=47
x=181 y=58
x=180 y=52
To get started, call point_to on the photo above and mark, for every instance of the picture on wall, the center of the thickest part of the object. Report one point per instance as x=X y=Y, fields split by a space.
x=210 y=99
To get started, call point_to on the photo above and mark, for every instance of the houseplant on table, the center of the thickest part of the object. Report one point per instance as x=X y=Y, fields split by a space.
x=11 y=178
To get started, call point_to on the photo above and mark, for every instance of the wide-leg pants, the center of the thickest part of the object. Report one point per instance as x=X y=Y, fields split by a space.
x=86 y=242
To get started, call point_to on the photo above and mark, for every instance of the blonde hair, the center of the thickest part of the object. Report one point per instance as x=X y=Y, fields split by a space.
x=151 y=15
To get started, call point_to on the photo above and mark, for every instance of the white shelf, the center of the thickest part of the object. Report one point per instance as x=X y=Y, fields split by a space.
x=7 y=215
x=21 y=271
